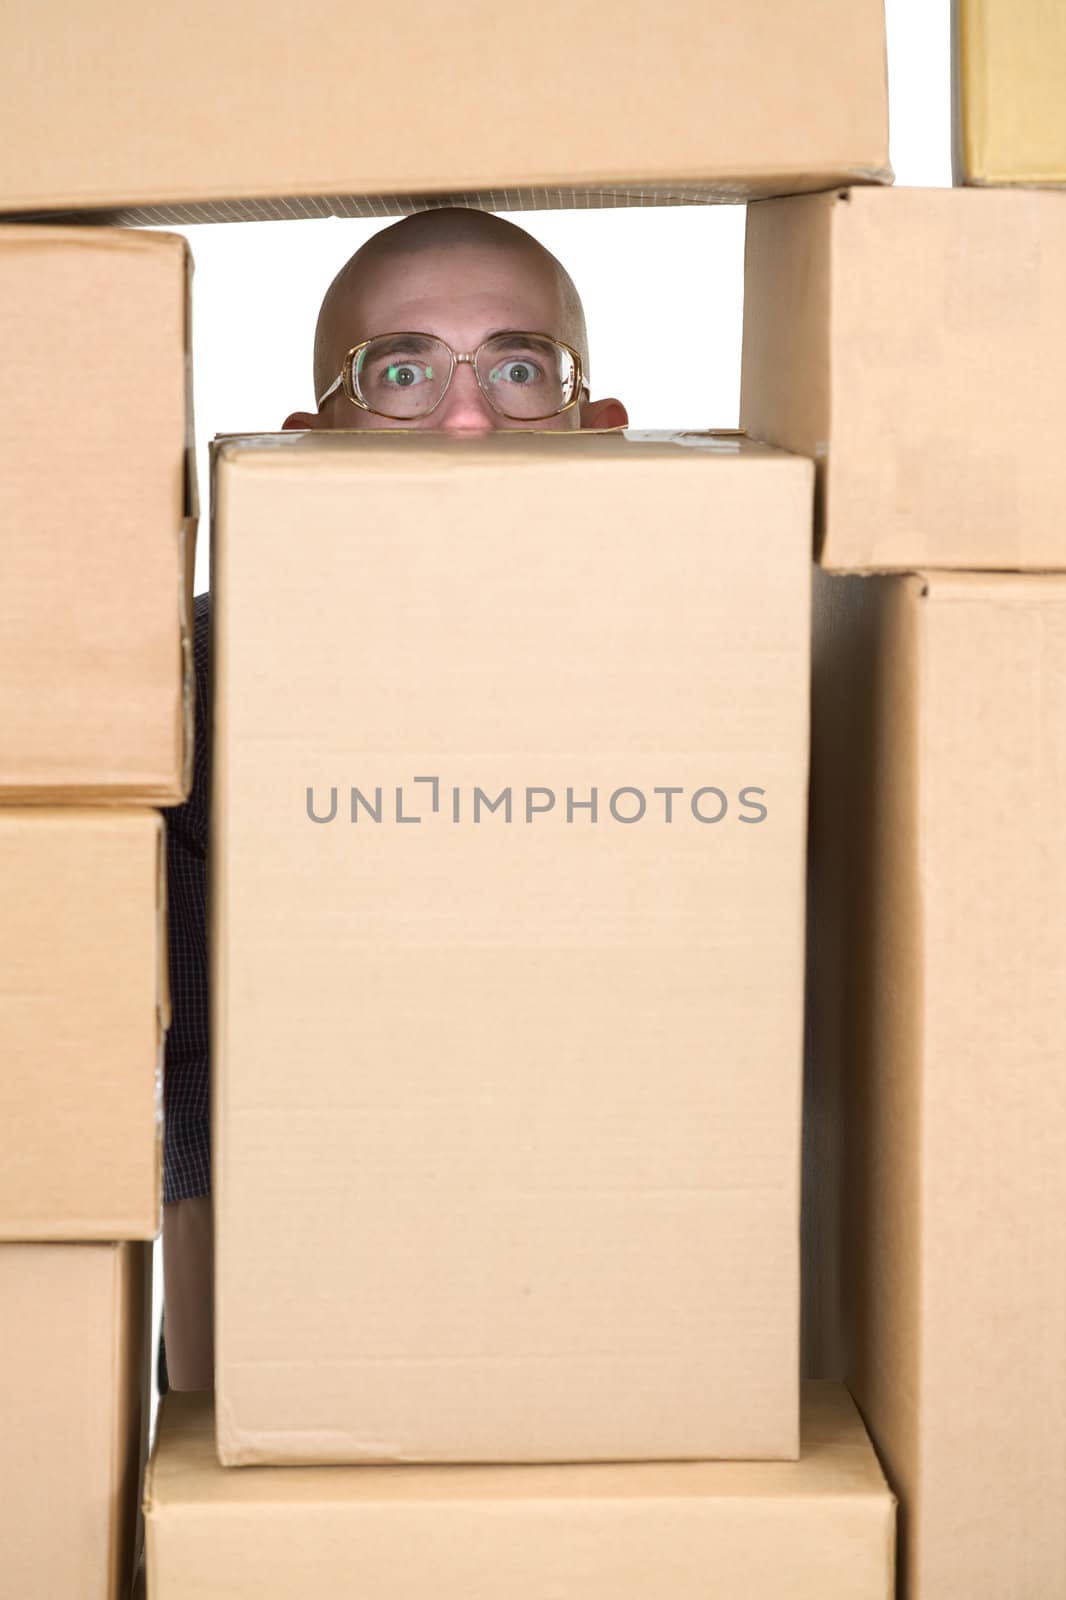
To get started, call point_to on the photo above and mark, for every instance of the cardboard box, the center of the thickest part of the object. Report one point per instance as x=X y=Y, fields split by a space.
x=74 y=1371
x=97 y=510
x=507 y=1111
x=913 y=342
x=158 y=115
x=1010 y=91
x=83 y=1009
x=939 y=757
x=820 y=1528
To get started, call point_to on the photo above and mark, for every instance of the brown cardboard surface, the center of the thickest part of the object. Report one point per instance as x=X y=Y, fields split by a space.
x=83 y=1008
x=97 y=512
x=1010 y=91
x=257 y=115
x=913 y=341
x=939 y=756
x=74 y=1368
x=507 y=1114
x=813 y=1529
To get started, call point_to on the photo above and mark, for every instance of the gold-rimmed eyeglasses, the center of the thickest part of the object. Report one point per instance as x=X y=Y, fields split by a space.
x=527 y=377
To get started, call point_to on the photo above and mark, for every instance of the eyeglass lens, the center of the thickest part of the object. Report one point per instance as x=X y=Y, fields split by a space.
x=525 y=376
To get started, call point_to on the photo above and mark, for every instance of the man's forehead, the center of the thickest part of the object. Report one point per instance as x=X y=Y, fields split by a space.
x=462 y=320
x=460 y=290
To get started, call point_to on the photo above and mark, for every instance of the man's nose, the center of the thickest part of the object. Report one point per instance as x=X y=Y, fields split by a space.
x=464 y=408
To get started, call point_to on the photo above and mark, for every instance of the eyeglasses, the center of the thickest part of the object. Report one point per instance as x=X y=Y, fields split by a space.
x=527 y=377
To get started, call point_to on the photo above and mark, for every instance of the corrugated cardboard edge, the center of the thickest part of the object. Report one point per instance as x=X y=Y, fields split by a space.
x=131 y=1353
x=218 y=776
x=163 y=1010
x=187 y=701
x=116 y=1444
x=187 y=552
x=725 y=188
x=140 y=1397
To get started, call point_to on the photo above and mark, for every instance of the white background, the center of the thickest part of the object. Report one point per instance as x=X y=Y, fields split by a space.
x=662 y=288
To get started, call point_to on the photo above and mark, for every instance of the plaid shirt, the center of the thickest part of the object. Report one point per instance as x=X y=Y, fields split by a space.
x=186 y=1092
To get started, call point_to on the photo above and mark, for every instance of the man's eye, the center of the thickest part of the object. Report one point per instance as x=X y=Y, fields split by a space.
x=517 y=370
x=406 y=374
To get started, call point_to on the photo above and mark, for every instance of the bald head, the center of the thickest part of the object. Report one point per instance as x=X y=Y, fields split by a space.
x=467 y=267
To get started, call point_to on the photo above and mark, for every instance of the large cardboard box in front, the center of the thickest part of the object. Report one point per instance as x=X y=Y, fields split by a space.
x=913 y=342
x=820 y=1528
x=508 y=823
x=155 y=114
x=1010 y=91
x=84 y=1006
x=97 y=509
x=938 y=910
x=74 y=1373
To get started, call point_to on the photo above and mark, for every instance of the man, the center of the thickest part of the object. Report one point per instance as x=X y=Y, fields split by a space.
x=465 y=283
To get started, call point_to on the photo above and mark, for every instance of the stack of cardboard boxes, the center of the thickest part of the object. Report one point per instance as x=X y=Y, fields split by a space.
x=509 y=867
x=97 y=531
x=508 y=859
x=508 y=826
x=914 y=344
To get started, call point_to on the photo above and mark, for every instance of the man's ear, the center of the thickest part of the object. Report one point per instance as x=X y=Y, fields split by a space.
x=302 y=419
x=608 y=413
